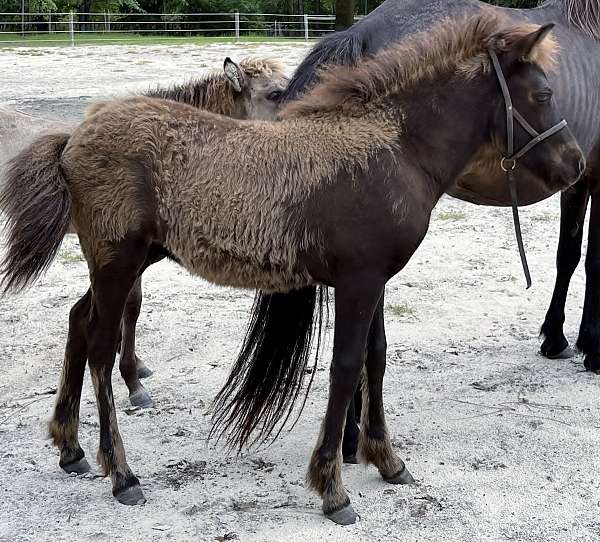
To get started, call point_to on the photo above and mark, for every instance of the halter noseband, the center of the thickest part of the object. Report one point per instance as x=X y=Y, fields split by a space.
x=509 y=162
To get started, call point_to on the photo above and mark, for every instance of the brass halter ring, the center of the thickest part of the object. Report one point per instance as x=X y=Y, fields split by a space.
x=507 y=169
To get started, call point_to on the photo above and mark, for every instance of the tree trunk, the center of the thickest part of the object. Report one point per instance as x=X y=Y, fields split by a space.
x=344 y=14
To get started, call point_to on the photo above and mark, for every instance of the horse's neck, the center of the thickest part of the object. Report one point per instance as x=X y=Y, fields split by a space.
x=444 y=126
x=197 y=94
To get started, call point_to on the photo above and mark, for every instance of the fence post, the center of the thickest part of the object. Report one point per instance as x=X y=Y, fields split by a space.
x=71 y=29
x=108 y=19
x=49 y=22
x=306 y=27
x=237 y=26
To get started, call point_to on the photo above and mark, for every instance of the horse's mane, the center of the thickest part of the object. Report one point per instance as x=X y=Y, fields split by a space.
x=213 y=90
x=452 y=46
x=582 y=14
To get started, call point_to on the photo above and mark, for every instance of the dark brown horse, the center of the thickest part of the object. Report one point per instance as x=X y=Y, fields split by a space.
x=339 y=192
x=577 y=88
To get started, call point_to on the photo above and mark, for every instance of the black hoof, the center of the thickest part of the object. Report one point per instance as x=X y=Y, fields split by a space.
x=143 y=371
x=141 y=398
x=345 y=516
x=556 y=349
x=404 y=477
x=592 y=363
x=81 y=466
x=351 y=459
x=131 y=496
x=567 y=353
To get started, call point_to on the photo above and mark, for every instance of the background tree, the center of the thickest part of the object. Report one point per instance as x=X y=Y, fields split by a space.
x=344 y=10
x=344 y=14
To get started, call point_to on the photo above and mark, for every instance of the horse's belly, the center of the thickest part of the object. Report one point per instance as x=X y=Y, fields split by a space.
x=236 y=268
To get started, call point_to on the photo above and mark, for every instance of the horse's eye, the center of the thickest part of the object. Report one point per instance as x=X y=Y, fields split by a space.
x=543 y=97
x=274 y=96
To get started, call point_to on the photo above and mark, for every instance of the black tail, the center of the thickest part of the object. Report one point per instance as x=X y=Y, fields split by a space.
x=341 y=48
x=37 y=205
x=268 y=374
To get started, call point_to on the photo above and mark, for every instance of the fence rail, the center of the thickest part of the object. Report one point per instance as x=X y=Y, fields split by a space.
x=73 y=27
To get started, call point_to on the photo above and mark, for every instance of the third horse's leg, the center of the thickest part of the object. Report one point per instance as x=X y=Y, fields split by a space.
x=572 y=214
x=589 y=331
x=130 y=366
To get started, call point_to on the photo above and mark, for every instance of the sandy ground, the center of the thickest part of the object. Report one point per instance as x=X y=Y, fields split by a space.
x=501 y=441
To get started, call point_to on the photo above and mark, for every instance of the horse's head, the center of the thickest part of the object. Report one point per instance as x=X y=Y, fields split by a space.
x=257 y=85
x=541 y=141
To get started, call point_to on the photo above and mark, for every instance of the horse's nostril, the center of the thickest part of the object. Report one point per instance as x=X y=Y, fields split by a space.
x=582 y=164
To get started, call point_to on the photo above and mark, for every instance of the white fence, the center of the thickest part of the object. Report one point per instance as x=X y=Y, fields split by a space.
x=72 y=27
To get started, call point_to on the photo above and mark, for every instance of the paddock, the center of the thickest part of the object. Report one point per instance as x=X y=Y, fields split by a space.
x=501 y=440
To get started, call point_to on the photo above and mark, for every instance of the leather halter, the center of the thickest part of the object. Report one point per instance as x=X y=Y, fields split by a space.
x=509 y=162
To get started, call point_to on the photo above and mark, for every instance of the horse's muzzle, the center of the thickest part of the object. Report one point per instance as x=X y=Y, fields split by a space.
x=569 y=169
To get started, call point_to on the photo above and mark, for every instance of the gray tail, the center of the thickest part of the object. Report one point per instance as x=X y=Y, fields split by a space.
x=37 y=206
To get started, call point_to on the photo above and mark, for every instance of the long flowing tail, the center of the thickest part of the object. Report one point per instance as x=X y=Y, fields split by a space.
x=269 y=372
x=37 y=205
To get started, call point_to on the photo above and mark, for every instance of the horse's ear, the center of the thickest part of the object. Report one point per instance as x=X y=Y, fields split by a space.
x=533 y=46
x=235 y=75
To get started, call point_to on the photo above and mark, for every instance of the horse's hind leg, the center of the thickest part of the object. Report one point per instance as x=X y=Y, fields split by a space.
x=375 y=446
x=64 y=425
x=573 y=204
x=130 y=365
x=589 y=331
x=111 y=284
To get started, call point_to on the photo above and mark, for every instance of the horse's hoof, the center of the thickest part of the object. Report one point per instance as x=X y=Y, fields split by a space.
x=567 y=353
x=81 y=466
x=592 y=363
x=351 y=459
x=345 y=516
x=404 y=477
x=559 y=350
x=143 y=371
x=141 y=398
x=131 y=496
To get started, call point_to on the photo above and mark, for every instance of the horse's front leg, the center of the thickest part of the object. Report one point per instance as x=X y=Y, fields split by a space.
x=572 y=212
x=355 y=302
x=589 y=331
x=375 y=446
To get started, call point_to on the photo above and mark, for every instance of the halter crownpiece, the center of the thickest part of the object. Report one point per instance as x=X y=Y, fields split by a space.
x=509 y=162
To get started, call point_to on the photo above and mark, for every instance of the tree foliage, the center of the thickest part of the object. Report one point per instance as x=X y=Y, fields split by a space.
x=211 y=6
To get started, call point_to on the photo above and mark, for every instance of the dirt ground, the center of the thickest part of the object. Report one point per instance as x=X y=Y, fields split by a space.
x=502 y=442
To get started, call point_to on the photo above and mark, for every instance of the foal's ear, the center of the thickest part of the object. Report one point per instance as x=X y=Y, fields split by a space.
x=235 y=75
x=533 y=47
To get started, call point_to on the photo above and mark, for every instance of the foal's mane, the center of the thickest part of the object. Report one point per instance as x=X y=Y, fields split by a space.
x=582 y=14
x=457 y=46
x=213 y=91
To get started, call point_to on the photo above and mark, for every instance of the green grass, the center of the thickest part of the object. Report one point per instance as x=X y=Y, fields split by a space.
x=112 y=38
x=451 y=215
x=400 y=309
